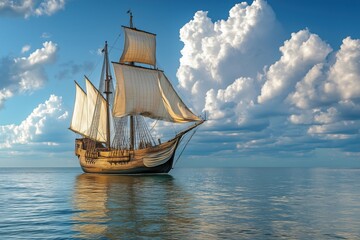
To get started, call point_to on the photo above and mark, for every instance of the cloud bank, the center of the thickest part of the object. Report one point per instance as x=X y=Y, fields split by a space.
x=28 y=8
x=25 y=74
x=41 y=128
x=267 y=94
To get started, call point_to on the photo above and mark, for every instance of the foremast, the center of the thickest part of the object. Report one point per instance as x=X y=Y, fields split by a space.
x=107 y=94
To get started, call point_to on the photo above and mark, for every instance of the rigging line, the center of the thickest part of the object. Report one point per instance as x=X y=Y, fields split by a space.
x=184 y=147
x=96 y=65
x=111 y=48
x=153 y=125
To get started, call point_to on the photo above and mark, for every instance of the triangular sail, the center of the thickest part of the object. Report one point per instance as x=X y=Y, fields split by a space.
x=79 y=123
x=139 y=47
x=89 y=117
x=147 y=92
x=96 y=106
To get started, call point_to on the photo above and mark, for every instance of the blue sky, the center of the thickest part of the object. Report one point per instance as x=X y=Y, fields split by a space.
x=279 y=80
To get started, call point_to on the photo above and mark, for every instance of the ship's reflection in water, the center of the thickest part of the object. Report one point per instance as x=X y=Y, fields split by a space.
x=127 y=207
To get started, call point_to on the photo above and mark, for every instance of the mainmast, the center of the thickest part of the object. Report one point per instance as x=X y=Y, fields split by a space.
x=131 y=19
x=107 y=95
x=132 y=128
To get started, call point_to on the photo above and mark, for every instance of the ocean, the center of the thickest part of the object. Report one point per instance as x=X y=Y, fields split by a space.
x=190 y=203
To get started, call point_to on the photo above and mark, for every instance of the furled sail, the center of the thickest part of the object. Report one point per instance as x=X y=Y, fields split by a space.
x=147 y=92
x=79 y=117
x=139 y=47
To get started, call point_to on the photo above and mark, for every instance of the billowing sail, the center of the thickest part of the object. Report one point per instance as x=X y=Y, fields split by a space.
x=89 y=117
x=147 y=92
x=96 y=107
x=111 y=141
x=139 y=47
x=79 y=117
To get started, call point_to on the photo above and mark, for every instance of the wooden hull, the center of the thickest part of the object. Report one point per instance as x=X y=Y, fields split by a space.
x=158 y=159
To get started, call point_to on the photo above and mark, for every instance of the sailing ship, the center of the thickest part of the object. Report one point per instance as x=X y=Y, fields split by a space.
x=113 y=118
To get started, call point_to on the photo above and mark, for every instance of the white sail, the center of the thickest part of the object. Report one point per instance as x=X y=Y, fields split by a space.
x=96 y=110
x=175 y=107
x=79 y=117
x=114 y=143
x=147 y=92
x=139 y=47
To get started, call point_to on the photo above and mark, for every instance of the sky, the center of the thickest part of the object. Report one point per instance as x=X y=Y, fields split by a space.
x=279 y=80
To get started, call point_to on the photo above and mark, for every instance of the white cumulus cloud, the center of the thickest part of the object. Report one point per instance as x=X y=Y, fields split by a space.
x=27 y=8
x=329 y=95
x=25 y=48
x=344 y=80
x=215 y=54
x=299 y=54
x=24 y=74
x=269 y=93
x=39 y=128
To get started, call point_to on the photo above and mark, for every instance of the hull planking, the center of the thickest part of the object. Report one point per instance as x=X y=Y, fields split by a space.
x=151 y=160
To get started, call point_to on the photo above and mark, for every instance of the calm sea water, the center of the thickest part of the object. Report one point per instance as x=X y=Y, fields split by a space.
x=244 y=203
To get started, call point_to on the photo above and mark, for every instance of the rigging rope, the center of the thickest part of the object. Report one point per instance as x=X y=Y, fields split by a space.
x=111 y=48
x=154 y=125
x=184 y=147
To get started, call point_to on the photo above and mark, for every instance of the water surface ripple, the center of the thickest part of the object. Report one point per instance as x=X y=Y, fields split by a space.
x=242 y=203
